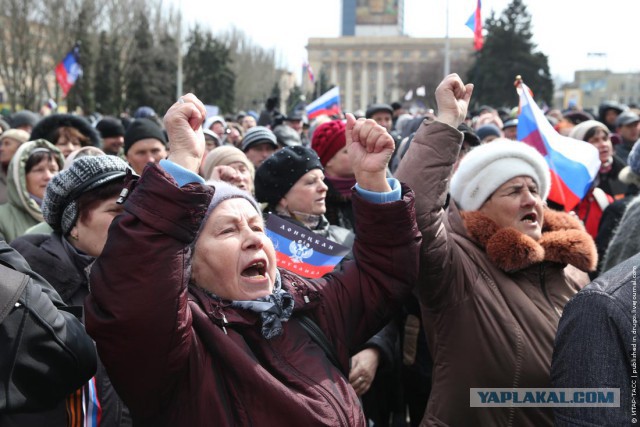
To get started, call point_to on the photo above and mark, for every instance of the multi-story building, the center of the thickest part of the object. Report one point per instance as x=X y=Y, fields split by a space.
x=591 y=88
x=373 y=61
x=384 y=68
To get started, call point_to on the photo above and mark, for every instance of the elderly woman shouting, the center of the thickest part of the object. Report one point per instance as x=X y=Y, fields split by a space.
x=196 y=324
x=498 y=267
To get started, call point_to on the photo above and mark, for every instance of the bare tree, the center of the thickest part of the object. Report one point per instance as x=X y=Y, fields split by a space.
x=23 y=50
x=254 y=67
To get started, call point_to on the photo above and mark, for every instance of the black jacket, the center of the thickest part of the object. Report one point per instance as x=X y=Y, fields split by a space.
x=45 y=353
x=65 y=271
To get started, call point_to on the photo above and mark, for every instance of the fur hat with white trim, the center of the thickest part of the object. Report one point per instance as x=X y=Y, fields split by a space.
x=487 y=167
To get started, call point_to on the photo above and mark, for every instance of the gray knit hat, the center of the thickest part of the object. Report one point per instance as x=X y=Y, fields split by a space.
x=59 y=207
x=258 y=135
x=224 y=191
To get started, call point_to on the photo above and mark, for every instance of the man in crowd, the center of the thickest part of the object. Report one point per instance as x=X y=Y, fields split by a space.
x=144 y=142
x=259 y=143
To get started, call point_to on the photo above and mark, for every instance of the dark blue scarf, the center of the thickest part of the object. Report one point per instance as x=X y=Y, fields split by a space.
x=273 y=309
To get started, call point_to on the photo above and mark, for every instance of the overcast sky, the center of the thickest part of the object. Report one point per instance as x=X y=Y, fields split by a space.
x=565 y=30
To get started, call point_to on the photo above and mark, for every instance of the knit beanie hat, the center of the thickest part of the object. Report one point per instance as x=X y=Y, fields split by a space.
x=16 y=134
x=110 y=127
x=488 y=166
x=225 y=155
x=224 y=191
x=328 y=139
x=488 y=130
x=59 y=207
x=142 y=129
x=258 y=135
x=23 y=118
x=280 y=172
x=580 y=130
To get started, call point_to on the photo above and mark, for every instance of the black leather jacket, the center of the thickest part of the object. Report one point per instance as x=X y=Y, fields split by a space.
x=45 y=353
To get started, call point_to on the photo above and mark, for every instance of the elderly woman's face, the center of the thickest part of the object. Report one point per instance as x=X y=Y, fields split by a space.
x=307 y=195
x=517 y=204
x=233 y=257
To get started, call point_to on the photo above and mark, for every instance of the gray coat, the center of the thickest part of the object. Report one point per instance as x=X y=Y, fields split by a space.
x=593 y=347
x=625 y=242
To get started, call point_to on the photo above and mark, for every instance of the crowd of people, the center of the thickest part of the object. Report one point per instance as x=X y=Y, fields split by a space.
x=147 y=237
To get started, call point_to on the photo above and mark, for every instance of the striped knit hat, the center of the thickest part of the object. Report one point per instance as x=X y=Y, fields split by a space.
x=59 y=207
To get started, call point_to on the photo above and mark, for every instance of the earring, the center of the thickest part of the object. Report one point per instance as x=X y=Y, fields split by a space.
x=73 y=237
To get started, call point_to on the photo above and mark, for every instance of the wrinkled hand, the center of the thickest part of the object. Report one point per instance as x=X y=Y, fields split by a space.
x=183 y=122
x=370 y=148
x=363 y=370
x=452 y=97
x=225 y=173
x=489 y=118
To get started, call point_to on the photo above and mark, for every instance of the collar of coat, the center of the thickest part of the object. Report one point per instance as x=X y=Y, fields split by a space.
x=305 y=296
x=563 y=241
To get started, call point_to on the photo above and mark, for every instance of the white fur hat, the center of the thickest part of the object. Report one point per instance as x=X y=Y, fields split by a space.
x=488 y=166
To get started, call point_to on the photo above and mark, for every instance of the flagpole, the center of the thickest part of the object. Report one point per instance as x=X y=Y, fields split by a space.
x=179 y=70
x=446 y=44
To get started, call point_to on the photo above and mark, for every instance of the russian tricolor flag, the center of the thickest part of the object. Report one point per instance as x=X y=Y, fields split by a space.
x=68 y=70
x=328 y=103
x=302 y=251
x=475 y=23
x=573 y=164
x=306 y=69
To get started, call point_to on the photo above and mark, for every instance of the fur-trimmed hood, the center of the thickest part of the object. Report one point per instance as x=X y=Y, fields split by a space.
x=563 y=241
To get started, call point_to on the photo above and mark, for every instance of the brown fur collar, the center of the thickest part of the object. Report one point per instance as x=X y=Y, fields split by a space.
x=563 y=240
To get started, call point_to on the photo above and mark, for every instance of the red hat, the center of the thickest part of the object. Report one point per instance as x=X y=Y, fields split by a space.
x=328 y=139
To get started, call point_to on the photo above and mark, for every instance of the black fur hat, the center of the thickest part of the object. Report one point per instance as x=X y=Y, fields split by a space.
x=47 y=127
x=277 y=174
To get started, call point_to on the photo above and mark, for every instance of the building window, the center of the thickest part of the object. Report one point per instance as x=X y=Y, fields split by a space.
x=372 y=84
x=342 y=75
x=388 y=75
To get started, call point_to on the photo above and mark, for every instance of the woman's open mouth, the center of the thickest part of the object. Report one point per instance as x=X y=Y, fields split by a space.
x=530 y=218
x=256 y=270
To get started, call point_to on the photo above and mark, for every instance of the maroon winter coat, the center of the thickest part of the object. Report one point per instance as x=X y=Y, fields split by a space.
x=164 y=344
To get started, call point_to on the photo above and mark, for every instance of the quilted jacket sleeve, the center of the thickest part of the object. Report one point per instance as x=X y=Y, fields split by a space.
x=137 y=311
x=427 y=168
